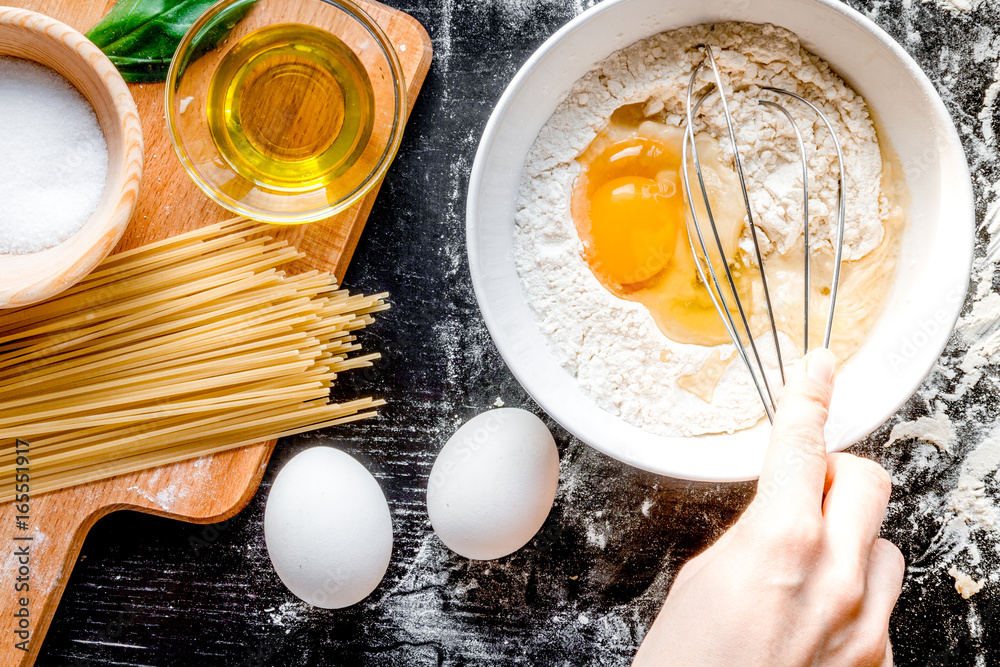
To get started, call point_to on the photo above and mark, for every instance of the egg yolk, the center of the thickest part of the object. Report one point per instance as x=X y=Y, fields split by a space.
x=629 y=210
x=633 y=211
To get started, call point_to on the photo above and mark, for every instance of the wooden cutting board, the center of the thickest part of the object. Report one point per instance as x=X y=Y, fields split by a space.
x=208 y=489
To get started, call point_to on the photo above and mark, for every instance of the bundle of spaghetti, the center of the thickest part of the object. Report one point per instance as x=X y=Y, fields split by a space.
x=178 y=349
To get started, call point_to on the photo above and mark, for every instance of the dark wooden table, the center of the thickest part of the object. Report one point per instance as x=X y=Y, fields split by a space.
x=148 y=591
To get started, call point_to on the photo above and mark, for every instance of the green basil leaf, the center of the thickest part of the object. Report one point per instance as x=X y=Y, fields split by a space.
x=140 y=36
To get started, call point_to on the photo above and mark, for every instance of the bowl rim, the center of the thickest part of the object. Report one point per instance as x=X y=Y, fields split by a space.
x=385 y=161
x=26 y=289
x=479 y=279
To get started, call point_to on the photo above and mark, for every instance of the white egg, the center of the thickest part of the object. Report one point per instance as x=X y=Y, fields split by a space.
x=327 y=528
x=493 y=484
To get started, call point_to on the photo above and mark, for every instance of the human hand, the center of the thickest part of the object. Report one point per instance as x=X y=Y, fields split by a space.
x=802 y=577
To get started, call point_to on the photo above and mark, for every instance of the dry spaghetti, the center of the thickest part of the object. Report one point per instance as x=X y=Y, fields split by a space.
x=177 y=349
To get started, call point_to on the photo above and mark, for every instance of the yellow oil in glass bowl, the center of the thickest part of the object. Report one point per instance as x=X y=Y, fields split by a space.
x=286 y=111
x=291 y=107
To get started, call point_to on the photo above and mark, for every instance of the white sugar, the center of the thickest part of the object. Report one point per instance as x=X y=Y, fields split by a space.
x=53 y=158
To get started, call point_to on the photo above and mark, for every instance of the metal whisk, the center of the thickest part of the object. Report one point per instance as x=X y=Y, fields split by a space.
x=722 y=300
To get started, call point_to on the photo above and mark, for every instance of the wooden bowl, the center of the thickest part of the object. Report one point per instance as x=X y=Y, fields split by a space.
x=33 y=277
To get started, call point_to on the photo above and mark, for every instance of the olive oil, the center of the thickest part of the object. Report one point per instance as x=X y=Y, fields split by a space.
x=291 y=108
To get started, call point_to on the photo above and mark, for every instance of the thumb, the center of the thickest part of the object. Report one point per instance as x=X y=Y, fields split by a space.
x=795 y=463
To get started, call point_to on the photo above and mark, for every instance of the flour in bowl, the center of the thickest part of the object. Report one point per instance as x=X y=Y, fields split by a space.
x=612 y=345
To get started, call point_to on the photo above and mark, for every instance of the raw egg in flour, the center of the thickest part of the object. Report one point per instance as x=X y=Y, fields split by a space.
x=629 y=210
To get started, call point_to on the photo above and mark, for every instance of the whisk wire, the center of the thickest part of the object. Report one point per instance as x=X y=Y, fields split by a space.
x=807 y=281
x=731 y=129
x=841 y=209
x=714 y=287
x=720 y=301
x=717 y=295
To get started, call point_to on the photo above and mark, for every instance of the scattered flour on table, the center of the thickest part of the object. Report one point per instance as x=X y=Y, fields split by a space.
x=970 y=502
x=55 y=158
x=286 y=614
x=596 y=537
x=964 y=584
x=612 y=346
x=969 y=536
x=937 y=430
x=647 y=504
x=979 y=329
x=516 y=14
x=985 y=115
x=957 y=6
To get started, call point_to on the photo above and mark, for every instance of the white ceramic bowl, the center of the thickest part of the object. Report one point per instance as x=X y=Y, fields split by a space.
x=935 y=255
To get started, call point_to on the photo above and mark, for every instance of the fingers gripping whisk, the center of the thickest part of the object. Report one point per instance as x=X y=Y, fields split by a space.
x=703 y=232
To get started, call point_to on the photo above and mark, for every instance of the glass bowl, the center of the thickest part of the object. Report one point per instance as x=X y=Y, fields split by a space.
x=285 y=111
